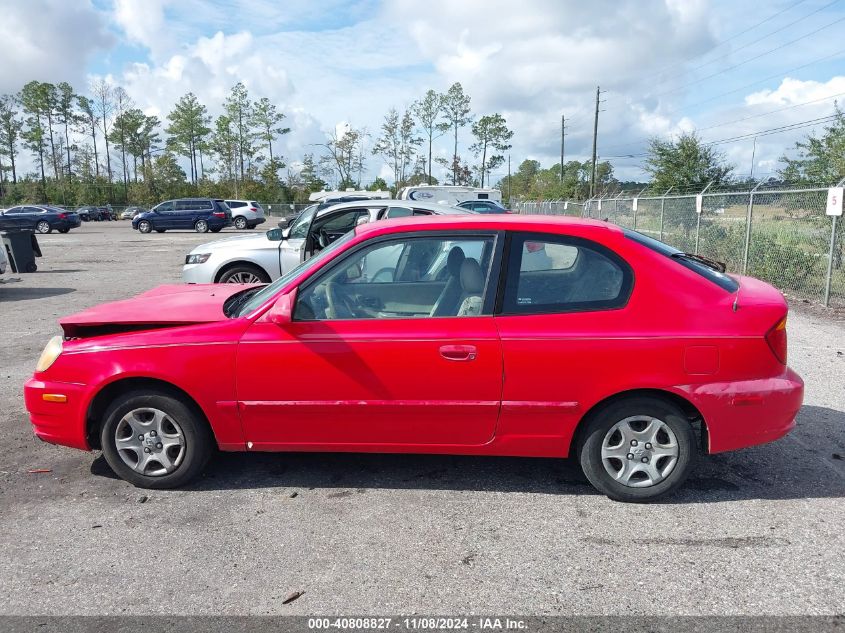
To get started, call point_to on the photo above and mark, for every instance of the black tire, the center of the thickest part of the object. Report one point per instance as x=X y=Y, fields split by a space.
x=64 y=230
x=43 y=227
x=160 y=230
x=217 y=230
x=198 y=439
x=240 y=223
x=145 y=226
x=201 y=226
x=601 y=424
x=230 y=274
x=31 y=267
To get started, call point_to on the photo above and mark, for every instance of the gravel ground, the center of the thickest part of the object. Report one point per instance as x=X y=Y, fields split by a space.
x=753 y=532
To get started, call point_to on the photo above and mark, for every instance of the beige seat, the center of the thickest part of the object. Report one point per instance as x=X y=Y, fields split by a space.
x=472 y=285
x=449 y=299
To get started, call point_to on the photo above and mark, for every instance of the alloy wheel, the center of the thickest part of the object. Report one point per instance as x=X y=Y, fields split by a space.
x=150 y=442
x=639 y=451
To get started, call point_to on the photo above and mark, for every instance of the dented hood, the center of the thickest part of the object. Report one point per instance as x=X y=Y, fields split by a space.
x=164 y=306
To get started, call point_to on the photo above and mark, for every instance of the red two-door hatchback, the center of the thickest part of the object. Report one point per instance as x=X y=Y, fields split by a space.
x=475 y=335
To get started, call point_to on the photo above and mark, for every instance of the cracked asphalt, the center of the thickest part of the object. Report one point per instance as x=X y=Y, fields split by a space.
x=753 y=532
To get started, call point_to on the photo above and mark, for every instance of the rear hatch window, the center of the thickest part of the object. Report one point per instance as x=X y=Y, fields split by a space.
x=710 y=273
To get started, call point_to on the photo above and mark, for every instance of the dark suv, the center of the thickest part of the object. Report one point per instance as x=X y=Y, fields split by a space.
x=200 y=214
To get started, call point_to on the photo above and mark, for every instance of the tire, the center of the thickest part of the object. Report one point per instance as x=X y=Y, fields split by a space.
x=240 y=223
x=64 y=230
x=244 y=274
x=638 y=419
x=31 y=267
x=217 y=230
x=155 y=415
x=145 y=226
x=43 y=226
x=201 y=226
x=160 y=230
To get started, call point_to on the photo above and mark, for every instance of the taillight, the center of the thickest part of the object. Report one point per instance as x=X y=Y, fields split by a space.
x=776 y=338
x=63 y=216
x=219 y=214
x=253 y=209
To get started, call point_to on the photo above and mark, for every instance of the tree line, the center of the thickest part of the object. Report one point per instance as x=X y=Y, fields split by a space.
x=99 y=147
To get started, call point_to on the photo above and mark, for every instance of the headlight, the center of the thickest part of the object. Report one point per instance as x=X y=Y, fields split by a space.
x=198 y=258
x=50 y=354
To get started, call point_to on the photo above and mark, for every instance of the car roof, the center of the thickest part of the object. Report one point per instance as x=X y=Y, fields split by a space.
x=503 y=222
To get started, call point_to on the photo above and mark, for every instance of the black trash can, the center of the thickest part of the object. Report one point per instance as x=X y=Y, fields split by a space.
x=22 y=248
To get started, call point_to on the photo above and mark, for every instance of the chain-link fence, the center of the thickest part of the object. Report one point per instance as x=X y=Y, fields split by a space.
x=782 y=236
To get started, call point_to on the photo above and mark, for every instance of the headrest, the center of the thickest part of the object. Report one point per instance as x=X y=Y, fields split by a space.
x=472 y=279
x=454 y=261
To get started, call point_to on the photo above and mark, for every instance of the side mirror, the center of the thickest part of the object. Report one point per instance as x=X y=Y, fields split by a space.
x=286 y=233
x=282 y=312
x=275 y=235
x=355 y=271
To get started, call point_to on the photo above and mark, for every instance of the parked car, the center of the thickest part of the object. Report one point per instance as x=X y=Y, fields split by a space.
x=107 y=213
x=484 y=206
x=40 y=218
x=246 y=214
x=431 y=335
x=130 y=212
x=264 y=257
x=200 y=214
x=89 y=214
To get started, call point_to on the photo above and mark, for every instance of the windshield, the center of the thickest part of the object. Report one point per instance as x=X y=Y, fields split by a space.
x=258 y=299
x=299 y=228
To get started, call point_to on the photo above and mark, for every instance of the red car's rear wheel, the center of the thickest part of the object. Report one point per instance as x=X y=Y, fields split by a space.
x=638 y=449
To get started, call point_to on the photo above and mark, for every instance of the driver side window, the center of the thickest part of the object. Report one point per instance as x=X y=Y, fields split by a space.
x=415 y=277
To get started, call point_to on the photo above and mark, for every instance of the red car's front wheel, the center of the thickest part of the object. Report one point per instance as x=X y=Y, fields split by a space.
x=155 y=440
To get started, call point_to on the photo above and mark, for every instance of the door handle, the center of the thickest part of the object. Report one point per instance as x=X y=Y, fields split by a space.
x=458 y=352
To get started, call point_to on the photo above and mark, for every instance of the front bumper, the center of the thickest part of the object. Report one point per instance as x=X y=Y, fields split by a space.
x=198 y=273
x=746 y=413
x=57 y=422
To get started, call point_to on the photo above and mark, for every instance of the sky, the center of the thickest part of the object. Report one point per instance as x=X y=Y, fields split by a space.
x=727 y=68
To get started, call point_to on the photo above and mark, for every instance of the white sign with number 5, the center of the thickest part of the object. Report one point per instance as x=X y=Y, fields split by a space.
x=834 y=200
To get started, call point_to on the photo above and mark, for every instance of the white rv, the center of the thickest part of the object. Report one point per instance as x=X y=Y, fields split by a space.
x=448 y=194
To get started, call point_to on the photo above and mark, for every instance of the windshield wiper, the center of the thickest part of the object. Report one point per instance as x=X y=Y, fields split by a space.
x=710 y=263
x=233 y=309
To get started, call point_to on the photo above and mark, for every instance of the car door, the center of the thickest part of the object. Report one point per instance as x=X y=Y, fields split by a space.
x=13 y=219
x=364 y=364
x=561 y=318
x=164 y=215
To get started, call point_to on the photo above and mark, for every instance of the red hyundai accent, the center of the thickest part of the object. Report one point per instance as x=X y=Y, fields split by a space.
x=475 y=335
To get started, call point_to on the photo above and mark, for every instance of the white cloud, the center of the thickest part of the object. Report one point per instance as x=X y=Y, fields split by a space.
x=48 y=40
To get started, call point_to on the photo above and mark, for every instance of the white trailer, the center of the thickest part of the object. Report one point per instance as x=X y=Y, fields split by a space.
x=448 y=194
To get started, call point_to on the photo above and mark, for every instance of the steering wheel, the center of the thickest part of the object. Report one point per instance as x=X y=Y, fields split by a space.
x=322 y=239
x=335 y=300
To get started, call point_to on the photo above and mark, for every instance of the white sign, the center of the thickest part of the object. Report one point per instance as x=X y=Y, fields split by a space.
x=565 y=206
x=699 y=203
x=834 y=200
x=634 y=204
x=599 y=204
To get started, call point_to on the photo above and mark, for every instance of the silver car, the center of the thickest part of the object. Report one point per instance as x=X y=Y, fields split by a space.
x=246 y=214
x=264 y=257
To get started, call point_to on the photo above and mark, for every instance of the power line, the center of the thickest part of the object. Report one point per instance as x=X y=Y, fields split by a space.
x=751 y=59
x=747 y=118
x=725 y=41
x=760 y=39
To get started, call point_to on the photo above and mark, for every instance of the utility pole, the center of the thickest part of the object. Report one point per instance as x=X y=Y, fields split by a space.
x=753 y=152
x=509 y=180
x=595 y=137
x=562 y=134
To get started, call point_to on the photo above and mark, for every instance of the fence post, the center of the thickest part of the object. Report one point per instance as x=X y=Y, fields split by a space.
x=663 y=211
x=748 y=219
x=633 y=210
x=698 y=216
x=830 y=257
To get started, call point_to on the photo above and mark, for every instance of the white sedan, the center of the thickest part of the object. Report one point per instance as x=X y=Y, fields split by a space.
x=248 y=259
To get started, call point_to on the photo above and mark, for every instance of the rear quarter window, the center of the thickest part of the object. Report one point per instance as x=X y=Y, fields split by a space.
x=724 y=281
